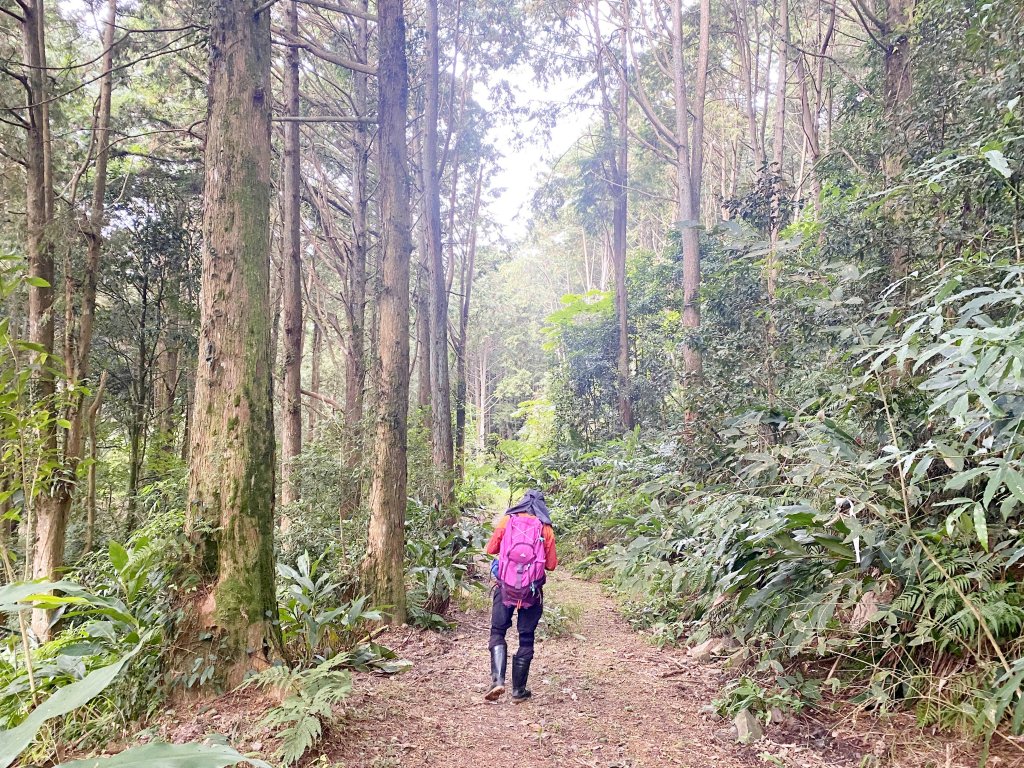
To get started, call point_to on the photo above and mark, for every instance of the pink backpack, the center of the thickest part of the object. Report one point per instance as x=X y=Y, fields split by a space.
x=521 y=561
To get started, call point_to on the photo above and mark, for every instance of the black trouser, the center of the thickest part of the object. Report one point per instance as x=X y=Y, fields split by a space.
x=526 y=624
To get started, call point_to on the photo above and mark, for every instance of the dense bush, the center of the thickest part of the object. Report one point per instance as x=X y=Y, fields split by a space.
x=851 y=498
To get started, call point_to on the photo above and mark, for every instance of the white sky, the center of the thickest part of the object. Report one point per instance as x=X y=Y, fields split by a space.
x=524 y=164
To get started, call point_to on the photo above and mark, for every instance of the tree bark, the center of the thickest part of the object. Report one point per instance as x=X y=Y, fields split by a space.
x=291 y=426
x=54 y=508
x=462 y=342
x=699 y=102
x=615 y=161
x=90 y=499
x=779 y=137
x=747 y=64
x=898 y=83
x=383 y=566
x=481 y=418
x=423 y=331
x=315 y=374
x=778 y=181
x=166 y=386
x=686 y=195
x=46 y=532
x=355 y=359
x=440 y=382
x=230 y=517
x=620 y=180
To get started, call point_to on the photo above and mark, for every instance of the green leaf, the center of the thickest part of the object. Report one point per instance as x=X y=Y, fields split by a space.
x=18 y=596
x=981 y=526
x=31 y=346
x=118 y=556
x=160 y=755
x=835 y=546
x=1015 y=483
x=49 y=602
x=995 y=482
x=37 y=282
x=997 y=160
x=61 y=702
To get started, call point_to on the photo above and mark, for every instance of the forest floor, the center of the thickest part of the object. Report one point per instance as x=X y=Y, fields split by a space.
x=603 y=697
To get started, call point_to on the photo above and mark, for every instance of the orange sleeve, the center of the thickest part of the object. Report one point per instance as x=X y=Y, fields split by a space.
x=550 y=555
x=499 y=530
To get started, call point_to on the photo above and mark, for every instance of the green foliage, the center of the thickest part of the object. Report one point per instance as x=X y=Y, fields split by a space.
x=310 y=693
x=123 y=608
x=559 y=620
x=71 y=670
x=851 y=496
x=439 y=558
x=437 y=568
x=160 y=755
x=325 y=479
x=787 y=694
x=29 y=464
x=309 y=697
x=315 y=622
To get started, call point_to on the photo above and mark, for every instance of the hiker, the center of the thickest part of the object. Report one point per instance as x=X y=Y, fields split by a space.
x=525 y=544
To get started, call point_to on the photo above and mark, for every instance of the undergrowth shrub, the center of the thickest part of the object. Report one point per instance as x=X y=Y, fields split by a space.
x=866 y=519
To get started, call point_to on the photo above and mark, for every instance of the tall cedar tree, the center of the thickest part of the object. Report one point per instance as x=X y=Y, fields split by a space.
x=48 y=546
x=383 y=567
x=440 y=386
x=231 y=481
x=291 y=427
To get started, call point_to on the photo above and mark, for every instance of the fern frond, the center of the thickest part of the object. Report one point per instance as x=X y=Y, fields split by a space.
x=299 y=719
x=299 y=738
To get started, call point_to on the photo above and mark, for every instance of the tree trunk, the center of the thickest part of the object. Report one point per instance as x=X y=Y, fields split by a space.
x=898 y=83
x=440 y=383
x=383 y=566
x=90 y=499
x=809 y=121
x=355 y=359
x=778 y=156
x=315 y=375
x=135 y=458
x=291 y=426
x=481 y=417
x=896 y=96
x=140 y=390
x=231 y=485
x=619 y=181
x=168 y=379
x=747 y=64
x=54 y=508
x=463 y=340
x=423 y=331
x=615 y=162
x=685 y=195
x=779 y=138
x=699 y=102
x=46 y=536
x=188 y=378
x=166 y=386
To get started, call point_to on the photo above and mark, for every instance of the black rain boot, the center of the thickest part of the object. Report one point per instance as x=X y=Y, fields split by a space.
x=499 y=657
x=520 y=674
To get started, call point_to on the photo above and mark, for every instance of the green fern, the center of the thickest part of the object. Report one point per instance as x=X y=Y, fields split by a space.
x=310 y=696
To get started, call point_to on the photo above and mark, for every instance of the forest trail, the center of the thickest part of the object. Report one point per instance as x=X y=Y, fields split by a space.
x=602 y=698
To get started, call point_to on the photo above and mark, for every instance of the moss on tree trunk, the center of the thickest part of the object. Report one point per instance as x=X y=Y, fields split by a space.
x=231 y=483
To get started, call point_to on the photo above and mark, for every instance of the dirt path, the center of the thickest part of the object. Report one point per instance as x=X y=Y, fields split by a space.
x=602 y=698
